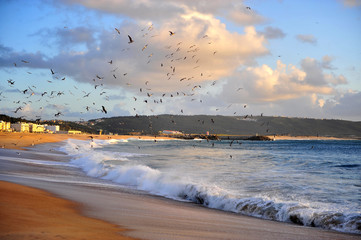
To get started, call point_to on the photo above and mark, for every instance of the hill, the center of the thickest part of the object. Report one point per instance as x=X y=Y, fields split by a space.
x=228 y=125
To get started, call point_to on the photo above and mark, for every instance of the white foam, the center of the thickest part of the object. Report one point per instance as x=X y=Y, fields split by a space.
x=177 y=185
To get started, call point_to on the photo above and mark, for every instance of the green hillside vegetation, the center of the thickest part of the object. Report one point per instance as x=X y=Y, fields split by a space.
x=214 y=124
x=229 y=125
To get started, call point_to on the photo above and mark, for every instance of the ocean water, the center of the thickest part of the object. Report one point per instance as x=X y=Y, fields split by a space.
x=312 y=183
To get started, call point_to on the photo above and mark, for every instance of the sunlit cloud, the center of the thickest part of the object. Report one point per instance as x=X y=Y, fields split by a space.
x=264 y=84
x=352 y=3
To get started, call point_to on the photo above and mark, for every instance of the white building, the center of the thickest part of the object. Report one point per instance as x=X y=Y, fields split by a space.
x=20 y=127
x=52 y=128
x=171 y=132
x=5 y=126
x=36 y=128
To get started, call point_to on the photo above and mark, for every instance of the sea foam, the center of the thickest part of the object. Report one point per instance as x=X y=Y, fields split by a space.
x=117 y=167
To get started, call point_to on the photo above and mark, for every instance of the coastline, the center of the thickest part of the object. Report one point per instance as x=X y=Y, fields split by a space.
x=151 y=217
x=16 y=140
x=278 y=137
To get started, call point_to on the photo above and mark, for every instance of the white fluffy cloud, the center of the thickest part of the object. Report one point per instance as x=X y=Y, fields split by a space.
x=264 y=84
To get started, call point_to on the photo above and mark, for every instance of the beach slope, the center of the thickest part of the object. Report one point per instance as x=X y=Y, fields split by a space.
x=29 y=213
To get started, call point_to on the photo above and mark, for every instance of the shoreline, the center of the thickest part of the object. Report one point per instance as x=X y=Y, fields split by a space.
x=148 y=216
x=17 y=140
x=278 y=137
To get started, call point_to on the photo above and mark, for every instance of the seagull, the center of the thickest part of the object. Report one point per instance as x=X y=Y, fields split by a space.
x=116 y=29
x=130 y=39
x=52 y=72
x=171 y=33
x=19 y=108
x=104 y=110
x=111 y=62
x=11 y=82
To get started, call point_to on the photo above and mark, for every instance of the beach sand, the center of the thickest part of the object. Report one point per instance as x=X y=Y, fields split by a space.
x=16 y=140
x=145 y=216
x=29 y=213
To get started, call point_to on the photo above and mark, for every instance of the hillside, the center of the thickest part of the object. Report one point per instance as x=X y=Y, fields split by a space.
x=228 y=125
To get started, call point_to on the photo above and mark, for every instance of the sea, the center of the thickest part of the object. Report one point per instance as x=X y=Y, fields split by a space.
x=314 y=183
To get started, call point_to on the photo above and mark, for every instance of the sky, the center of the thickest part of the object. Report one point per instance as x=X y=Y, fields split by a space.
x=73 y=59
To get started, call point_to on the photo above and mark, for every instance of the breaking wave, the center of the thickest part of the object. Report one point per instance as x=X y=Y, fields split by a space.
x=117 y=167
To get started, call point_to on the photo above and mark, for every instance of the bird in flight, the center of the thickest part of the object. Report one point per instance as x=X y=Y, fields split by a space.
x=104 y=110
x=116 y=29
x=130 y=39
x=171 y=33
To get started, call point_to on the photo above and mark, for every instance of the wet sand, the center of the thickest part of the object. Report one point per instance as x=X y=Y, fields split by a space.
x=145 y=216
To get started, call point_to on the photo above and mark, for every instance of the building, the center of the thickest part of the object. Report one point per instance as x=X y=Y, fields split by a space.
x=170 y=132
x=52 y=128
x=20 y=127
x=36 y=128
x=74 y=132
x=5 y=126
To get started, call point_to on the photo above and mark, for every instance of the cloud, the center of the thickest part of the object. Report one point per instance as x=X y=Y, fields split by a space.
x=161 y=11
x=202 y=50
x=10 y=58
x=326 y=62
x=243 y=16
x=352 y=3
x=345 y=105
x=263 y=84
x=273 y=33
x=307 y=38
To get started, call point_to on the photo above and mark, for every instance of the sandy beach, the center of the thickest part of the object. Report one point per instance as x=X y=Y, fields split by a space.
x=29 y=213
x=105 y=212
x=16 y=140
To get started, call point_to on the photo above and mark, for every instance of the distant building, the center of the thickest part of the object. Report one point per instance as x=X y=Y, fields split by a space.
x=20 y=127
x=5 y=126
x=36 y=128
x=170 y=132
x=74 y=132
x=52 y=128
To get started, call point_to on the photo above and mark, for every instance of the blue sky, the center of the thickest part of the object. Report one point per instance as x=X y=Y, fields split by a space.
x=279 y=58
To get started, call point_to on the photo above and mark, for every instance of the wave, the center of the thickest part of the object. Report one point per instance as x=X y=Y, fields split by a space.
x=175 y=185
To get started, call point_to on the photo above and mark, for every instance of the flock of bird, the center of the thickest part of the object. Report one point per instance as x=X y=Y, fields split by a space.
x=189 y=79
